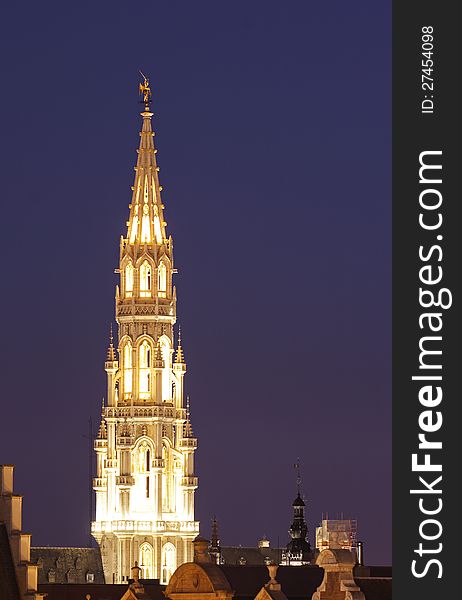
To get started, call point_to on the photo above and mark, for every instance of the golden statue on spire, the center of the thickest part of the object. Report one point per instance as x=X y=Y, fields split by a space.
x=145 y=89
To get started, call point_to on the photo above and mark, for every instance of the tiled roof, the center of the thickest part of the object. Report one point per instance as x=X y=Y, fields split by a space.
x=69 y=565
x=113 y=591
x=296 y=582
x=375 y=588
x=253 y=556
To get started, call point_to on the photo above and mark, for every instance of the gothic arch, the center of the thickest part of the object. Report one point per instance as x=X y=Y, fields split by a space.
x=145 y=357
x=146 y=560
x=168 y=562
x=145 y=266
x=162 y=279
x=127 y=270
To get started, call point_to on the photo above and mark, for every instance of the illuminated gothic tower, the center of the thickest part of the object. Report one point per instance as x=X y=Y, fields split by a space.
x=145 y=480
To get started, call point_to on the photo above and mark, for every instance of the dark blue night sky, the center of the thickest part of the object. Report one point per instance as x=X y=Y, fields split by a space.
x=273 y=132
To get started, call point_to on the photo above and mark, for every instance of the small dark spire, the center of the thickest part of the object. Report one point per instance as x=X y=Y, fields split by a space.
x=215 y=549
x=298 y=550
x=215 y=541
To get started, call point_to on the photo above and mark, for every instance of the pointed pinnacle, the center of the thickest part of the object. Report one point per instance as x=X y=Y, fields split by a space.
x=179 y=359
x=111 y=357
x=158 y=357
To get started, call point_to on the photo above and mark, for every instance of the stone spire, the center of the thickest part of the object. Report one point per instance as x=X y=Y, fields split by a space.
x=146 y=222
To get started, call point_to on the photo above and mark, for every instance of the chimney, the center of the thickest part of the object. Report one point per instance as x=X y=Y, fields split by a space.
x=6 y=479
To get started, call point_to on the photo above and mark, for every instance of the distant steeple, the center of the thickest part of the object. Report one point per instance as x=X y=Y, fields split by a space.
x=215 y=549
x=298 y=550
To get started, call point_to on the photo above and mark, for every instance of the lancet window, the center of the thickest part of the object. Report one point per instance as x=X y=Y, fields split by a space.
x=145 y=280
x=145 y=370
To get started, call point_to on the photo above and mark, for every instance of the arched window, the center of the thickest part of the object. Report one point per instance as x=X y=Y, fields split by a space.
x=146 y=561
x=168 y=562
x=129 y=280
x=145 y=370
x=162 y=280
x=128 y=369
x=145 y=280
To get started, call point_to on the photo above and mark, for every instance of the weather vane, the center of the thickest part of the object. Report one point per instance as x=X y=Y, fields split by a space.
x=145 y=89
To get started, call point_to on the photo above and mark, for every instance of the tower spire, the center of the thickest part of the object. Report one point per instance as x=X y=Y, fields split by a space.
x=146 y=222
x=144 y=428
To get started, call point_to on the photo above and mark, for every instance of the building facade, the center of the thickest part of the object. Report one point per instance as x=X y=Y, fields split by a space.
x=145 y=481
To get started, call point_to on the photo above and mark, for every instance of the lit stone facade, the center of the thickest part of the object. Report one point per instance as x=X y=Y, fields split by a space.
x=145 y=481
